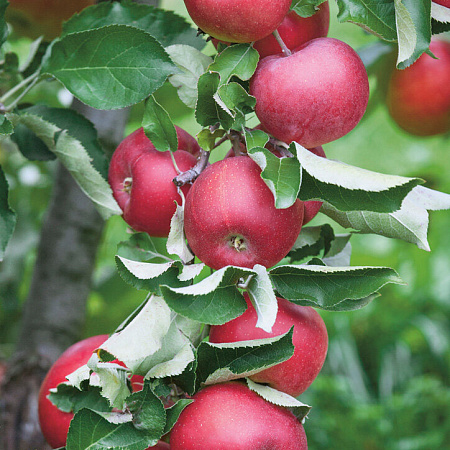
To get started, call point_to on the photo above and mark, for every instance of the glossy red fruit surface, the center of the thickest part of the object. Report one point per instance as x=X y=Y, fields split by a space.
x=295 y=31
x=310 y=340
x=316 y=95
x=418 y=97
x=54 y=422
x=238 y=20
x=141 y=180
x=231 y=219
x=230 y=416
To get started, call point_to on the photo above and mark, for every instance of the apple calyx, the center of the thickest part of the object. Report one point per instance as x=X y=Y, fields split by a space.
x=127 y=184
x=238 y=243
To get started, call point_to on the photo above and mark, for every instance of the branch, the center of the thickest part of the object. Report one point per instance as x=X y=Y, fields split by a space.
x=190 y=175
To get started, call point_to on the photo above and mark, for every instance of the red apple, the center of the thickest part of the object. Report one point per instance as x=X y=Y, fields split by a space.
x=238 y=20
x=314 y=96
x=54 y=422
x=231 y=219
x=295 y=31
x=34 y=18
x=310 y=340
x=230 y=416
x=418 y=97
x=141 y=180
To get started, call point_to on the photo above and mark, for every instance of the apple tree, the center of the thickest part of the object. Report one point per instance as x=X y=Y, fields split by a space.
x=229 y=334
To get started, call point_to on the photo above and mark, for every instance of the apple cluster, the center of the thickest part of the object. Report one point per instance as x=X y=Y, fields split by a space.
x=309 y=89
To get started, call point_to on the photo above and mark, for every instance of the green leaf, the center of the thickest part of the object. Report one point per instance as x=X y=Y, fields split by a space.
x=280 y=398
x=255 y=138
x=237 y=101
x=7 y=216
x=218 y=363
x=236 y=60
x=6 y=127
x=30 y=145
x=70 y=399
x=140 y=247
x=263 y=298
x=406 y=33
x=214 y=300
x=331 y=288
x=110 y=67
x=312 y=241
x=192 y=65
x=409 y=223
x=305 y=8
x=38 y=49
x=3 y=25
x=148 y=411
x=152 y=343
x=164 y=25
x=176 y=241
x=207 y=139
x=349 y=188
x=149 y=276
x=75 y=158
x=112 y=379
x=89 y=430
x=158 y=126
x=208 y=112
x=375 y=16
x=174 y=412
x=420 y=14
x=340 y=251
x=283 y=176
x=440 y=18
x=80 y=128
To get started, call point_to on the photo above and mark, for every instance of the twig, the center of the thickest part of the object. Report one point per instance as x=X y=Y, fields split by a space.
x=190 y=175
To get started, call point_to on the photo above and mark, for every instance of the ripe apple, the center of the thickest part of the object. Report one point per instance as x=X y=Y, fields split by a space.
x=418 y=97
x=238 y=20
x=141 y=180
x=314 y=96
x=310 y=341
x=230 y=416
x=231 y=219
x=34 y=18
x=295 y=31
x=54 y=422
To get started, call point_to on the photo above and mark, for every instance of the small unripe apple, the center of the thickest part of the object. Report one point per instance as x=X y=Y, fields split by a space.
x=316 y=95
x=141 y=179
x=230 y=416
x=34 y=18
x=310 y=341
x=238 y=20
x=231 y=219
x=418 y=97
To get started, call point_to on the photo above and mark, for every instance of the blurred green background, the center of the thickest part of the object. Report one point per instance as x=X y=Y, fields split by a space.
x=384 y=385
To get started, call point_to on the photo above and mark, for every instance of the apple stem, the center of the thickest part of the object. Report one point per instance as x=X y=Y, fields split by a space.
x=190 y=175
x=283 y=46
x=175 y=165
x=235 y=138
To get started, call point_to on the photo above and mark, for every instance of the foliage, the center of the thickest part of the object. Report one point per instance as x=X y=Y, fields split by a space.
x=113 y=65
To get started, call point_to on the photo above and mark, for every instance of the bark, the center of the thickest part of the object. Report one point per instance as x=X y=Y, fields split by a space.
x=54 y=312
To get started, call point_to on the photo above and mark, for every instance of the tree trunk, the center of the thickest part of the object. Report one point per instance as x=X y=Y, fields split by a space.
x=54 y=312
